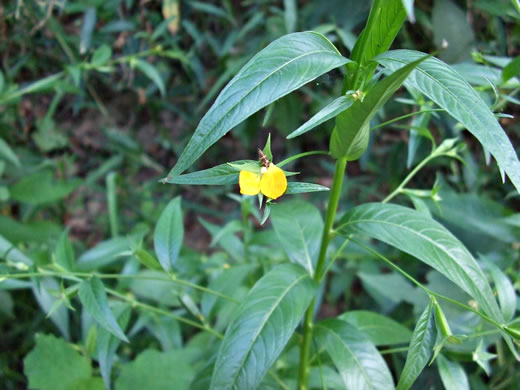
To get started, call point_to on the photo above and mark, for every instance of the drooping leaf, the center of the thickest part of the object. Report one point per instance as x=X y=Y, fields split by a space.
x=328 y=112
x=282 y=67
x=262 y=326
x=505 y=291
x=154 y=370
x=444 y=86
x=54 y=364
x=381 y=330
x=106 y=343
x=168 y=235
x=350 y=136
x=299 y=227
x=452 y=374
x=152 y=73
x=93 y=297
x=358 y=361
x=420 y=350
x=45 y=291
x=424 y=238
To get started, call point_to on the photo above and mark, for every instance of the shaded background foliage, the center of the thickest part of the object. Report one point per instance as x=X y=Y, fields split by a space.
x=90 y=88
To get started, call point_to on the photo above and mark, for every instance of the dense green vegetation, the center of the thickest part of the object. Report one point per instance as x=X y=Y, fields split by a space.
x=130 y=260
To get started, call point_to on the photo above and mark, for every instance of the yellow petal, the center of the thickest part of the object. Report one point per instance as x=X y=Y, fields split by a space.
x=273 y=183
x=249 y=183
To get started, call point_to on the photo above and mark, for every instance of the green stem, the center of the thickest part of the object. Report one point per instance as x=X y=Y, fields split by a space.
x=339 y=173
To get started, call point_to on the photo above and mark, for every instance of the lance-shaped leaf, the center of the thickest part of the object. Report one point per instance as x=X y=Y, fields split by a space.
x=262 y=326
x=424 y=238
x=294 y=187
x=384 y=22
x=358 y=361
x=350 y=136
x=452 y=374
x=448 y=89
x=282 y=67
x=218 y=175
x=420 y=350
x=168 y=235
x=328 y=112
x=93 y=297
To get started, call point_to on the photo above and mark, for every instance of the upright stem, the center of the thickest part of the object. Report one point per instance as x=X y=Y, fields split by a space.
x=339 y=173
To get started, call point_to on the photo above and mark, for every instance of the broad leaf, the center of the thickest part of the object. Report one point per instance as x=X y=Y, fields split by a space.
x=420 y=350
x=282 y=67
x=168 y=235
x=263 y=325
x=54 y=364
x=511 y=70
x=93 y=297
x=422 y=237
x=154 y=370
x=358 y=361
x=299 y=227
x=328 y=112
x=381 y=330
x=452 y=374
x=446 y=87
x=350 y=136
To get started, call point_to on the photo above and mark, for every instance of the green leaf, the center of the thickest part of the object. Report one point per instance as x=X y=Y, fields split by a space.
x=290 y=15
x=511 y=70
x=106 y=343
x=294 y=187
x=350 y=136
x=41 y=188
x=54 y=364
x=7 y=153
x=420 y=350
x=101 y=55
x=219 y=175
x=263 y=324
x=227 y=282
x=452 y=374
x=443 y=85
x=384 y=22
x=87 y=384
x=358 y=361
x=299 y=227
x=93 y=297
x=65 y=252
x=282 y=67
x=151 y=72
x=154 y=370
x=267 y=148
x=168 y=235
x=422 y=237
x=505 y=291
x=87 y=29
x=105 y=253
x=381 y=330
x=328 y=112
x=45 y=292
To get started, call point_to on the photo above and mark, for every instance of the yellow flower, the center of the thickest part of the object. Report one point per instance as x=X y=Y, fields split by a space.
x=271 y=182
